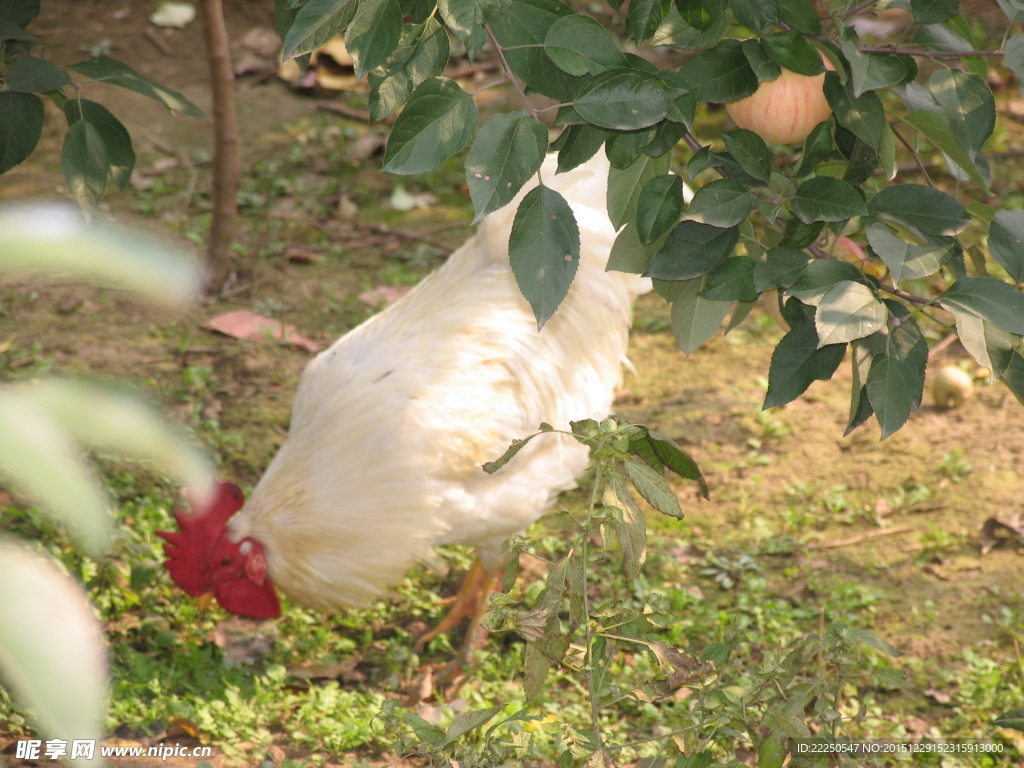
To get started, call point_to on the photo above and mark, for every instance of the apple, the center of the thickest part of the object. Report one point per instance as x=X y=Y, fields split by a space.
x=786 y=109
x=951 y=387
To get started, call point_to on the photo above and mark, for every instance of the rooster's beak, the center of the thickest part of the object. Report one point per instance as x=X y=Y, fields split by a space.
x=204 y=601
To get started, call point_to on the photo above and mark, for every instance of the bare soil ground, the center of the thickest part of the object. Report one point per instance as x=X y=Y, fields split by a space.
x=759 y=466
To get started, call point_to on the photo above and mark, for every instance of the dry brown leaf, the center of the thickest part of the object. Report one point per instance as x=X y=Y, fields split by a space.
x=325 y=671
x=994 y=531
x=246 y=324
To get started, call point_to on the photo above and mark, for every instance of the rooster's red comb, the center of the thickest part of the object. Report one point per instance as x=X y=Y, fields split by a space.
x=190 y=551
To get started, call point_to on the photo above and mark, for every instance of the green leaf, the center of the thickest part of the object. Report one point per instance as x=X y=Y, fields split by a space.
x=1006 y=243
x=21 y=125
x=544 y=250
x=905 y=261
x=464 y=722
x=373 y=33
x=792 y=50
x=869 y=638
x=30 y=74
x=117 y=73
x=720 y=74
x=668 y=134
x=466 y=18
x=700 y=14
x=507 y=152
x=315 y=23
x=523 y=26
x=628 y=523
x=750 y=152
x=1013 y=377
x=623 y=100
x=721 y=203
x=516 y=446
x=643 y=18
x=577 y=144
x=819 y=277
x=425 y=732
x=759 y=16
x=872 y=71
x=85 y=163
x=660 y=452
x=580 y=45
x=422 y=53
x=629 y=254
x=990 y=299
x=860 y=406
x=19 y=12
x=674 y=32
x=623 y=148
x=438 y=121
x=801 y=15
x=61 y=677
x=9 y=31
x=800 y=235
x=659 y=207
x=933 y=11
x=691 y=250
x=52 y=240
x=848 y=311
x=118 y=144
x=798 y=362
x=652 y=486
x=770 y=753
x=38 y=459
x=817 y=147
x=862 y=115
x=826 y=199
x=968 y=105
x=765 y=69
x=121 y=423
x=935 y=127
x=929 y=210
x=694 y=318
x=732 y=280
x=780 y=269
x=990 y=346
x=1013 y=718
x=1013 y=57
x=624 y=185
x=536 y=666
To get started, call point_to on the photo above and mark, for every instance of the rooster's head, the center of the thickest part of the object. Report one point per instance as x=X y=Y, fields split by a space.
x=203 y=560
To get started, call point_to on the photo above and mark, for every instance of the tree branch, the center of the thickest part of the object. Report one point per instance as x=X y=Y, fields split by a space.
x=508 y=71
x=931 y=54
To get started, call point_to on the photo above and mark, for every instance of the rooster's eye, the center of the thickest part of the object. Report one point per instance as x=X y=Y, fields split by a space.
x=225 y=561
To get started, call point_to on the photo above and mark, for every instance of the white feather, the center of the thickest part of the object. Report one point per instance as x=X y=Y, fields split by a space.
x=392 y=422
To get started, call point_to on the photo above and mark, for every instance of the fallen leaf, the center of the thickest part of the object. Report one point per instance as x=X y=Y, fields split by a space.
x=938 y=696
x=302 y=256
x=325 y=671
x=173 y=14
x=244 y=640
x=994 y=530
x=347 y=210
x=383 y=294
x=246 y=324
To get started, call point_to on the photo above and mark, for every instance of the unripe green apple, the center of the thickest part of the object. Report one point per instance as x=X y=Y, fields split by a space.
x=785 y=109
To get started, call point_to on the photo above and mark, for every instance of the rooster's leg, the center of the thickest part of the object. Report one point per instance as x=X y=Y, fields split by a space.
x=470 y=603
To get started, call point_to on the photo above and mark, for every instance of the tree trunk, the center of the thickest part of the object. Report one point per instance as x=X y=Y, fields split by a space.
x=227 y=165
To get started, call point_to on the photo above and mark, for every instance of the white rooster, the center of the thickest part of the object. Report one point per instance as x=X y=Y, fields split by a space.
x=392 y=423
